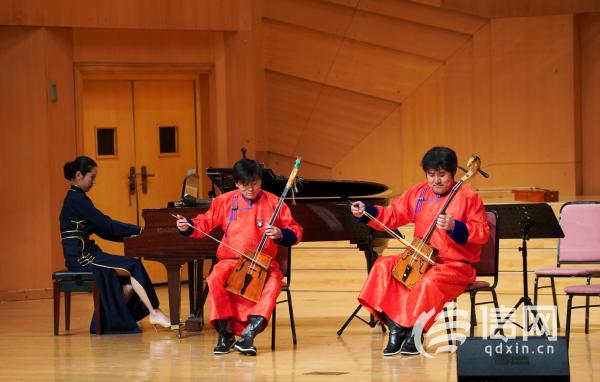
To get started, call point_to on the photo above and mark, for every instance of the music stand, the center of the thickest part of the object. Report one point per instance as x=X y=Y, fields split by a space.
x=525 y=221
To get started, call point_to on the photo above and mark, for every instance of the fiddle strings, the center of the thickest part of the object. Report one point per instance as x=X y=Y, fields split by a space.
x=212 y=237
x=442 y=210
x=263 y=239
x=434 y=223
x=396 y=236
x=473 y=167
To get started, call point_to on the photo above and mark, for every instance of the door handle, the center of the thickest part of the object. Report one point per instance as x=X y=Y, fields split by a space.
x=145 y=176
x=131 y=178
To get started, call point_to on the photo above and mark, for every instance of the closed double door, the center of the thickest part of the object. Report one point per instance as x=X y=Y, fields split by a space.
x=142 y=135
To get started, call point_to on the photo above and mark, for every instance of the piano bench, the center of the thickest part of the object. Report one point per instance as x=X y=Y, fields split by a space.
x=66 y=282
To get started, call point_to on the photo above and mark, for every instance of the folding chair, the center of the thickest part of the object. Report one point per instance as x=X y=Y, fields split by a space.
x=581 y=245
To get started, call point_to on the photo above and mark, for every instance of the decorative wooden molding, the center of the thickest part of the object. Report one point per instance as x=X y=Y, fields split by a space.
x=228 y=15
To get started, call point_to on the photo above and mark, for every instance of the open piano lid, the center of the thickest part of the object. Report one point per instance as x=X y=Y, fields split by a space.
x=222 y=178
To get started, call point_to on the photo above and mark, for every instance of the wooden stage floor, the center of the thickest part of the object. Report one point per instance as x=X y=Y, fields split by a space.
x=29 y=351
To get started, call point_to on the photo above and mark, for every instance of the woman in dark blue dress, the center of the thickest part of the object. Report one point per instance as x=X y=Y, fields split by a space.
x=126 y=292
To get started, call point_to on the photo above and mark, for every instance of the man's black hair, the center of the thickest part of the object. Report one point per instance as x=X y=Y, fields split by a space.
x=247 y=170
x=440 y=158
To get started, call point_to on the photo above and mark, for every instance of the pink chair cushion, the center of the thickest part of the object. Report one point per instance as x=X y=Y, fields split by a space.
x=583 y=289
x=478 y=285
x=566 y=272
x=580 y=224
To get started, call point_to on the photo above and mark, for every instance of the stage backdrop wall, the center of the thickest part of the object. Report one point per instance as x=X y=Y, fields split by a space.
x=324 y=80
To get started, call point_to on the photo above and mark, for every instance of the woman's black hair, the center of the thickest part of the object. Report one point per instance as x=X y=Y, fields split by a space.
x=246 y=170
x=83 y=164
x=440 y=158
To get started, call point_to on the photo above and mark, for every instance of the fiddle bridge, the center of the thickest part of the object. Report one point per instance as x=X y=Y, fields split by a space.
x=411 y=266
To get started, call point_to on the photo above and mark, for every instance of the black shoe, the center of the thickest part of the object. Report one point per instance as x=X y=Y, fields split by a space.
x=396 y=337
x=409 y=347
x=226 y=338
x=245 y=344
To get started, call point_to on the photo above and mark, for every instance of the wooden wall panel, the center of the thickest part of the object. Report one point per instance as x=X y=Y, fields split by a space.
x=347 y=64
x=424 y=14
x=467 y=89
x=347 y=3
x=520 y=8
x=408 y=37
x=313 y=14
x=339 y=121
x=289 y=103
x=380 y=50
x=533 y=111
x=298 y=51
x=216 y=153
x=379 y=72
x=318 y=122
x=138 y=46
x=257 y=93
x=376 y=29
x=507 y=95
x=482 y=98
x=133 y=14
x=435 y=3
x=61 y=130
x=378 y=157
x=36 y=136
x=244 y=94
x=589 y=45
x=282 y=164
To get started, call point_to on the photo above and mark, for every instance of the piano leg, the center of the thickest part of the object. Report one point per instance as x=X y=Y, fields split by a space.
x=195 y=320
x=174 y=282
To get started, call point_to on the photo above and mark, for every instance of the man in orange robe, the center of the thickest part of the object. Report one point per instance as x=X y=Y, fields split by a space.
x=458 y=236
x=243 y=215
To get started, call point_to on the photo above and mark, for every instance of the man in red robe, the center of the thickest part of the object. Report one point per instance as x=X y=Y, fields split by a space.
x=458 y=236
x=243 y=215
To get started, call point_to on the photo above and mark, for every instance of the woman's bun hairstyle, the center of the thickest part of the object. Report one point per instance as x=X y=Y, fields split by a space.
x=82 y=164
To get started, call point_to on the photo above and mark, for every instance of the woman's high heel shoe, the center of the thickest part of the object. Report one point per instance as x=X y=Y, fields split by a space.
x=159 y=321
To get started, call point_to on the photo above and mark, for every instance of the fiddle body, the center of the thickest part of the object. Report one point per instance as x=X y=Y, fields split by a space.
x=249 y=275
x=410 y=267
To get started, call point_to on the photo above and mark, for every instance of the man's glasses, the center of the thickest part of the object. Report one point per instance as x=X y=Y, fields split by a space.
x=250 y=185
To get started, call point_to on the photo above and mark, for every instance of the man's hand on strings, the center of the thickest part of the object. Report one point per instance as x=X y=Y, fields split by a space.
x=273 y=232
x=182 y=223
x=445 y=222
x=357 y=209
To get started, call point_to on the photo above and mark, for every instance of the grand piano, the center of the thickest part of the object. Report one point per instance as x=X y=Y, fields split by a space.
x=321 y=207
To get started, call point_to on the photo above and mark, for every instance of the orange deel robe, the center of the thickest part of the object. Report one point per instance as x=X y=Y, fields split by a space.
x=441 y=283
x=243 y=222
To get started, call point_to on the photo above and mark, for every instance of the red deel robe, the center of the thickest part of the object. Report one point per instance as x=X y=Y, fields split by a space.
x=442 y=282
x=243 y=222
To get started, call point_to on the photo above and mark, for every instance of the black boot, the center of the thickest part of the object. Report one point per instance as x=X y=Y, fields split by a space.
x=397 y=335
x=409 y=347
x=226 y=338
x=245 y=344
